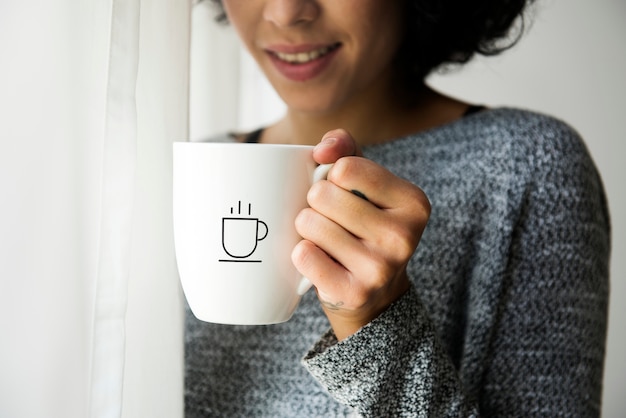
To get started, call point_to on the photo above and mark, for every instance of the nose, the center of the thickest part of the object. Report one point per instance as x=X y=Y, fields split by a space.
x=285 y=13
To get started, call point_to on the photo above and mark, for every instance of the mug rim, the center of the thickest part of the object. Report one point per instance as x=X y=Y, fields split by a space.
x=184 y=144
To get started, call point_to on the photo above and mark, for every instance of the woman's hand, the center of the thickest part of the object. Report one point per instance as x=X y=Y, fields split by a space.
x=361 y=229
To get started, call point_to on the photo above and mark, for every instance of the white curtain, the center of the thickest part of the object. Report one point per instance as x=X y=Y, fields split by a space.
x=92 y=95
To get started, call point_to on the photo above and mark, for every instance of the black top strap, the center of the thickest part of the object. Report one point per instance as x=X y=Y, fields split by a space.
x=254 y=136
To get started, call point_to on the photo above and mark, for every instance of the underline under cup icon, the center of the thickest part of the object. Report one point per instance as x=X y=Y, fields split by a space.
x=240 y=237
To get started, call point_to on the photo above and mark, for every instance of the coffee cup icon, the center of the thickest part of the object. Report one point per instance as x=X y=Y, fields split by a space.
x=240 y=237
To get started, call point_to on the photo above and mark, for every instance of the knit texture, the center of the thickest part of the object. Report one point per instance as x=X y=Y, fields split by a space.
x=506 y=316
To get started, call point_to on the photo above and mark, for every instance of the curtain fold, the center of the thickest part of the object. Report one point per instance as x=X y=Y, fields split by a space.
x=153 y=374
x=117 y=200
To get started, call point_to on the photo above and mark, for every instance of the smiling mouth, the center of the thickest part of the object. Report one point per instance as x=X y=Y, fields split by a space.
x=305 y=57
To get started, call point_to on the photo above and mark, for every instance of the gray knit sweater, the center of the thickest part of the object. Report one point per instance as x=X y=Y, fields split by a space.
x=507 y=313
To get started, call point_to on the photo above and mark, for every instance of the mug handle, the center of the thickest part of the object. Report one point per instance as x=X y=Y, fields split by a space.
x=320 y=173
x=260 y=222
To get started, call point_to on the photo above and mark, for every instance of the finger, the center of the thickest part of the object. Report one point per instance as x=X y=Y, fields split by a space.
x=330 y=237
x=334 y=281
x=388 y=234
x=377 y=184
x=334 y=145
x=354 y=213
x=390 y=221
x=329 y=277
x=350 y=275
x=373 y=266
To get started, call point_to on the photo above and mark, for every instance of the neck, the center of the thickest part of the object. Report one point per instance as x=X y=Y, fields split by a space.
x=368 y=121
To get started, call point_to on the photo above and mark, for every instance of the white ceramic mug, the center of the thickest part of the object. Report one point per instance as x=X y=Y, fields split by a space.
x=234 y=211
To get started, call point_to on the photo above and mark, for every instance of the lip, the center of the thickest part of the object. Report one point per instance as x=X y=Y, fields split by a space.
x=305 y=71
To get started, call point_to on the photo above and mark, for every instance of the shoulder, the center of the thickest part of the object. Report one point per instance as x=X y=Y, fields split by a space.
x=535 y=140
x=488 y=132
x=522 y=127
x=554 y=164
x=496 y=143
x=505 y=138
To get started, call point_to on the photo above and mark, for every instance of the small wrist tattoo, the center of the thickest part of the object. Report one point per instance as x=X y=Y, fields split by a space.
x=332 y=306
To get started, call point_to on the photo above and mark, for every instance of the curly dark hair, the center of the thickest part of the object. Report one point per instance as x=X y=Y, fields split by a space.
x=445 y=32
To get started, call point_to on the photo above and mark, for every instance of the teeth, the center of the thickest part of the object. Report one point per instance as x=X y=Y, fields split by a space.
x=303 y=57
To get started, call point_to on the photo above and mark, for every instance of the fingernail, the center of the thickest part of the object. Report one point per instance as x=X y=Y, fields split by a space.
x=326 y=142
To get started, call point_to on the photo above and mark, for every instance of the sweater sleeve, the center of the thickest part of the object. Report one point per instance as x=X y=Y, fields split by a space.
x=394 y=366
x=546 y=354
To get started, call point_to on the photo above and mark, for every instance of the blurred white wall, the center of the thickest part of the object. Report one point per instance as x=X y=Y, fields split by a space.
x=571 y=64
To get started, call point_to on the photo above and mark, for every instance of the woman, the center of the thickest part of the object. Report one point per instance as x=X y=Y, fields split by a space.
x=486 y=298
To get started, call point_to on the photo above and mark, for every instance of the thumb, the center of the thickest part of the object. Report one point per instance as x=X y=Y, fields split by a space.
x=334 y=145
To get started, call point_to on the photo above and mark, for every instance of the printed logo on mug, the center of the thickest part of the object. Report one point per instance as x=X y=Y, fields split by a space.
x=234 y=211
x=240 y=236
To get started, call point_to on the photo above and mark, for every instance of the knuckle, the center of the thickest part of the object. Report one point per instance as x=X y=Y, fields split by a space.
x=318 y=193
x=344 y=169
x=420 y=206
x=399 y=242
x=301 y=257
x=298 y=255
x=304 y=221
x=379 y=273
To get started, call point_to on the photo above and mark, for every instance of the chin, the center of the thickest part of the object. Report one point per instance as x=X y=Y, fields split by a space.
x=313 y=104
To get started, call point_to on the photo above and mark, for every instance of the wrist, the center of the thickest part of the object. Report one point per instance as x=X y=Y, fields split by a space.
x=346 y=322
